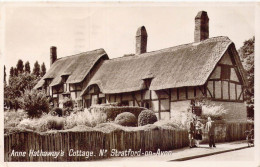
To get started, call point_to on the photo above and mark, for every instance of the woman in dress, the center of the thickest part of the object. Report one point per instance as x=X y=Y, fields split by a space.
x=198 y=132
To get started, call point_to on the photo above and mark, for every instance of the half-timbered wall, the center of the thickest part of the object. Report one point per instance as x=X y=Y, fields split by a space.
x=161 y=101
x=225 y=83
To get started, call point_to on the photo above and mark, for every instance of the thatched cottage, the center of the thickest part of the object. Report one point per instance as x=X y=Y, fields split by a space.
x=166 y=80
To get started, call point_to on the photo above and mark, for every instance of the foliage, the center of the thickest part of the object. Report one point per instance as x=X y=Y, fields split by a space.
x=86 y=118
x=246 y=53
x=17 y=85
x=36 y=69
x=171 y=124
x=13 y=118
x=68 y=104
x=216 y=112
x=11 y=72
x=57 y=112
x=4 y=75
x=146 y=117
x=35 y=103
x=19 y=66
x=112 y=110
x=43 y=124
x=15 y=72
x=126 y=119
x=27 y=67
x=181 y=119
x=43 y=69
x=209 y=109
x=56 y=123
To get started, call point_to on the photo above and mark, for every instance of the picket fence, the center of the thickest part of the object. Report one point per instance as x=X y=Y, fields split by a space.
x=98 y=142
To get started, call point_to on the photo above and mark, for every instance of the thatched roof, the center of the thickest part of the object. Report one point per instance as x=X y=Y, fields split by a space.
x=179 y=66
x=76 y=67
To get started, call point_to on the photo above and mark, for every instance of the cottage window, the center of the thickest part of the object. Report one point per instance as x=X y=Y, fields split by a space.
x=101 y=100
x=125 y=103
x=146 y=104
x=225 y=72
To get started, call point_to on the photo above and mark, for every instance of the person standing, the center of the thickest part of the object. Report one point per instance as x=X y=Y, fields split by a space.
x=198 y=132
x=192 y=132
x=210 y=128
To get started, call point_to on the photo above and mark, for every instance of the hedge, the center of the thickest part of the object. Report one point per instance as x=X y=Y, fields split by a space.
x=113 y=111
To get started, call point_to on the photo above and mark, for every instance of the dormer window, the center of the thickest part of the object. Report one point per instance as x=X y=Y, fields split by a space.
x=64 y=78
x=48 y=81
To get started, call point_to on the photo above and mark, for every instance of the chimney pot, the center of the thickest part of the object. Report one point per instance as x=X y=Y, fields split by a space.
x=201 y=26
x=141 y=40
x=53 y=54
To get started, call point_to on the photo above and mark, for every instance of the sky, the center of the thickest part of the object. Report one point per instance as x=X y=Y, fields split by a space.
x=30 y=30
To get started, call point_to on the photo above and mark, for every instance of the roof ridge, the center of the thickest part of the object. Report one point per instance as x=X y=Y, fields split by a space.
x=78 y=54
x=212 y=39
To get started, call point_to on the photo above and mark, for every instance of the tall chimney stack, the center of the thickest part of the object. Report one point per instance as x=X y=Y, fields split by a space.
x=201 y=26
x=53 y=56
x=141 y=40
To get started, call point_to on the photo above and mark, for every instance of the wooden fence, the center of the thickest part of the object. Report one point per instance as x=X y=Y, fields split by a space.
x=98 y=142
x=229 y=132
x=91 y=141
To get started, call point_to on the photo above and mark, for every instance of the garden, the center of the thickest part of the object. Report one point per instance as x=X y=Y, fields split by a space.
x=36 y=114
x=39 y=126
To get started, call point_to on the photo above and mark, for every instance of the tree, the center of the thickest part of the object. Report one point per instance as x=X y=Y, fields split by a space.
x=43 y=69
x=15 y=72
x=4 y=75
x=36 y=69
x=11 y=72
x=17 y=86
x=246 y=53
x=27 y=67
x=19 y=66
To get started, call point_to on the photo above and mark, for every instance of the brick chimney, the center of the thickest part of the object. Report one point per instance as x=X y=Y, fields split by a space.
x=141 y=40
x=201 y=27
x=53 y=55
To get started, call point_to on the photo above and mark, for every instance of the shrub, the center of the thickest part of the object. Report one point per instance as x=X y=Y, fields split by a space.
x=55 y=123
x=209 y=109
x=146 y=117
x=86 y=118
x=168 y=124
x=57 y=112
x=43 y=124
x=68 y=103
x=126 y=119
x=35 y=103
x=216 y=112
x=13 y=118
x=112 y=111
x=182 y=118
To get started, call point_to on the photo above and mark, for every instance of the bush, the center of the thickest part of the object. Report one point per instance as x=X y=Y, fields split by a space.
x=57 y=112
x=126 y=119
x=13 y=118
x=168 y=124
x=43 y=124
x=216 y=112
x=182 y=118
x=209 y=109
x=34 y=103
x=86 y=118
x=55 y=123
x=112 y=111
x=68 y=103
x=146 y=117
